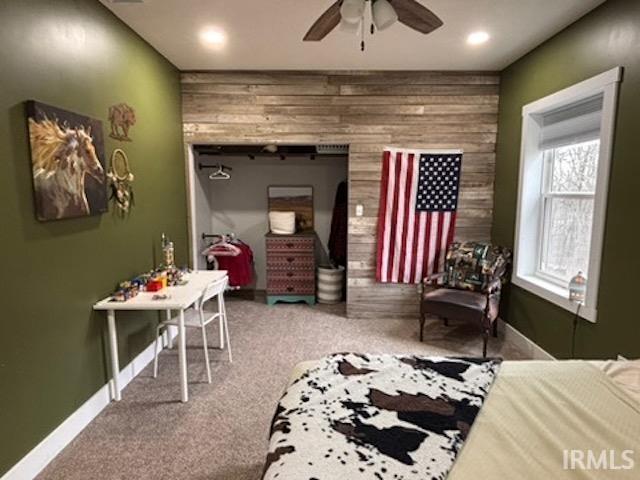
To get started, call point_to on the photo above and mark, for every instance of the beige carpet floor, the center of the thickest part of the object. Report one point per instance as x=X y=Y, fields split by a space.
x=221 y=433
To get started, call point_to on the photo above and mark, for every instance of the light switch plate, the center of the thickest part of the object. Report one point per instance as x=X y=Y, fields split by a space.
x=359 y=210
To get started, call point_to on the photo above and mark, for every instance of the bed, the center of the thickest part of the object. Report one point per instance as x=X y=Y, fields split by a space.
x=534 y=419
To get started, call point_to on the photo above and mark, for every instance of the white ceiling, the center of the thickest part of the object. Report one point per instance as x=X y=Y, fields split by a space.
x=267 y=34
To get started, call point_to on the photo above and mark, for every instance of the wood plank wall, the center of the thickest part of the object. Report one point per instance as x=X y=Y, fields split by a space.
x=367 y=110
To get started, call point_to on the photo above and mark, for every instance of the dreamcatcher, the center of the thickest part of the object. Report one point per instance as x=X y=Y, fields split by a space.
x=120 y=179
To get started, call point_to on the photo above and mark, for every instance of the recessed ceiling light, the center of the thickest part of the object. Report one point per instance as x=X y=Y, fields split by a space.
x=213 y=37
x=477 y=38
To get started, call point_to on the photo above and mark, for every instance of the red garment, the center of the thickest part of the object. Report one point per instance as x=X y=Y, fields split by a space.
x=240 y=267
x=339 y=226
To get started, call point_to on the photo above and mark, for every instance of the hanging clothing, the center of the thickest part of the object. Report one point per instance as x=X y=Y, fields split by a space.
x=339 y=222
x=239 y=266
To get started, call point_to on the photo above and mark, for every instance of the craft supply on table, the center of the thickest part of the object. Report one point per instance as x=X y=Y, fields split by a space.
x=167 y=275
x=154 y=286
x=153 y=281
x=168 y=252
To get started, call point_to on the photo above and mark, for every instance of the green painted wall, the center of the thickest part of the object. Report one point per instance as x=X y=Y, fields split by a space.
x=76 y=55
x=606 y=37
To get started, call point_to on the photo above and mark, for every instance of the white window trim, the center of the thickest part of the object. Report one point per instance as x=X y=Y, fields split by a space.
x=528 y=222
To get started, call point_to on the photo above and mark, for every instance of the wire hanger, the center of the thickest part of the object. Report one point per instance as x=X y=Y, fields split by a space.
x=221 y=248
x=220 y=173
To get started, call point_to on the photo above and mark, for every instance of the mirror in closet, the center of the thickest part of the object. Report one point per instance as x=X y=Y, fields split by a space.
x=293 y=198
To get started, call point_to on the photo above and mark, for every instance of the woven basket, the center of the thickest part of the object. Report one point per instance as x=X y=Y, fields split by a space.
x=282 y=223
x=330 y=284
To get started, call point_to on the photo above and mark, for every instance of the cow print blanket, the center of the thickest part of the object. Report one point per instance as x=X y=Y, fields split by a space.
x=377 y=417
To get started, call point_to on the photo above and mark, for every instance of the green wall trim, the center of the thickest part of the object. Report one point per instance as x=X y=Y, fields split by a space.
x=78 y=56
x=605 y=38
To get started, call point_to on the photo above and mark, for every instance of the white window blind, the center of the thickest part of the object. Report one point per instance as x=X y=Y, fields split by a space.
x=575 y=123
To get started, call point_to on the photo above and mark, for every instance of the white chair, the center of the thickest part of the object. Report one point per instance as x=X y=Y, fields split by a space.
x=198 y=317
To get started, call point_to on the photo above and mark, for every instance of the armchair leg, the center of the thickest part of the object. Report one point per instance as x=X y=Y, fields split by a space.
x=485 y=339
x=422 y=320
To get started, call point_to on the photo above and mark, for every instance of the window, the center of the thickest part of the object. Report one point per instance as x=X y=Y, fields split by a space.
x=564 y=169
x=569 y=188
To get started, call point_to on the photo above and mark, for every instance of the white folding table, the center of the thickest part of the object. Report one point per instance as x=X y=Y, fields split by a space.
x=179 y=298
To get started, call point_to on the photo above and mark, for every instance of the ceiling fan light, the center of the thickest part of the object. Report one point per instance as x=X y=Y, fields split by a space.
x=384 y=15
x=352 y=11
x=349 y=27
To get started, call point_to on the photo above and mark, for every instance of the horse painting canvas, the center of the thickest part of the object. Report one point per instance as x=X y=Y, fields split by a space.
x=67 y=158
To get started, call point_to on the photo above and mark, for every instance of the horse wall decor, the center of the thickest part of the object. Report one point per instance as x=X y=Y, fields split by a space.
x=122 y=118
x=67 y=158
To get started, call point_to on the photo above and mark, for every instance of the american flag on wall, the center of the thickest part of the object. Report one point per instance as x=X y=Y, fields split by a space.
x=417 y=216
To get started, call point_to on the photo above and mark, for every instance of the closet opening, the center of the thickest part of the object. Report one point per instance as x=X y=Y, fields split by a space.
x=274 y=216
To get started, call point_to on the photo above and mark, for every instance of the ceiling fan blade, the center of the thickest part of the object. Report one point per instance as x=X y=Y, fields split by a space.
x=415 y=16
x=327 y=22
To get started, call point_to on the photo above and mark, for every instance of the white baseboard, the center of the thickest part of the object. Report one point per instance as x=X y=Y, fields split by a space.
x=38 y=458
x=533 y=350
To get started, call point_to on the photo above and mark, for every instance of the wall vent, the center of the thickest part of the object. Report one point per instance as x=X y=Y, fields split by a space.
x=332 y=149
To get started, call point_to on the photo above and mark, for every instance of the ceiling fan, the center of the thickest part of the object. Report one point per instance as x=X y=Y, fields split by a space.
x=350 y=15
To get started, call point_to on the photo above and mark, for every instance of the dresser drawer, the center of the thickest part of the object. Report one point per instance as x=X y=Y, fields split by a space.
x=290 y=286
x=293 y=261
x=286 y=245
x=292 y=276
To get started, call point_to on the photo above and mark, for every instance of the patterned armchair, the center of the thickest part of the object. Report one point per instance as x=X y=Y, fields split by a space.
x=469 y=288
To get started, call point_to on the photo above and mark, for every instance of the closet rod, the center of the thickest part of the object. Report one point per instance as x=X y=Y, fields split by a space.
x=218 y=235
x=223 y=167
